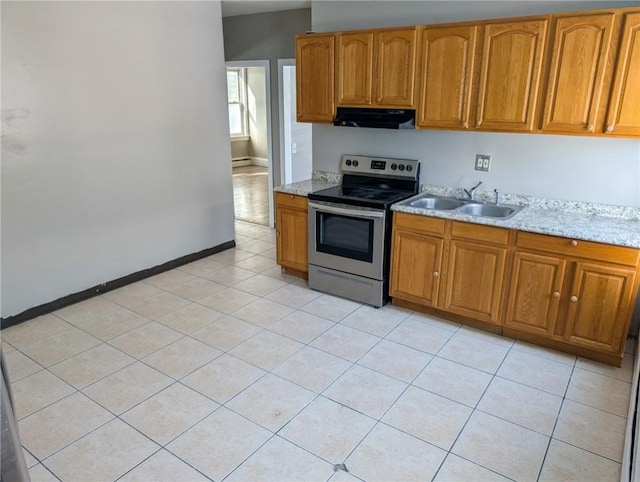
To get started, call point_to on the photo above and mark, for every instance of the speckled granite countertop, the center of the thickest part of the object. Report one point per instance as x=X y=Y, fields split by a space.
x=319 y=180
x=617 y=225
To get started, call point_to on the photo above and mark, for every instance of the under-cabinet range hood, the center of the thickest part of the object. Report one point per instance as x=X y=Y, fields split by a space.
x=377 y=118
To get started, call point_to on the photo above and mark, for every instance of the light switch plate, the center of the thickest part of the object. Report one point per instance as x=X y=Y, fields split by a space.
x=483 y=162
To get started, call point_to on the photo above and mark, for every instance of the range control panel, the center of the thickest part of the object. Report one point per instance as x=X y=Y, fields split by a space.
x=382 y=166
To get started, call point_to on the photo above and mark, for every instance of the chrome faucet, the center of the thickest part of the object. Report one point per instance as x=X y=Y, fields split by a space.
x=497 y=194
x=472 y=192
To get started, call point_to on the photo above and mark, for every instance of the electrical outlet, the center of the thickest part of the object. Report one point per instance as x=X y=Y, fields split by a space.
x=483 y=162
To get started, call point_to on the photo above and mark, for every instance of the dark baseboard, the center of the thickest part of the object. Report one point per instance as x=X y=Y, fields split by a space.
x=110 y=285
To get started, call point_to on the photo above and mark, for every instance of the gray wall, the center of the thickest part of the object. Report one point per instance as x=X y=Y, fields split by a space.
x=266 y=36
x=115 y=142
x=563 y=167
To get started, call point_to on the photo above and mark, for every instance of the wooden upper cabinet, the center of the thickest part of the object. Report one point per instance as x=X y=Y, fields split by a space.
x=447 y=59
x=395 y=67
x=623 y=117
x=581 y=48
x=315 y=95
x=511 y=62
x=376 y=68
x=355 y=68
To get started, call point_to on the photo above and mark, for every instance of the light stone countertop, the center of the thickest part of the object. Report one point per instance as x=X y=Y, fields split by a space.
x=319 y=180
x=303 y=188
x=589 y=222
x=617 y=225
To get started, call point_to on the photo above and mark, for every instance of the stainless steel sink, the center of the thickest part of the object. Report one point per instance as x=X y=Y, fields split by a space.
x=436 y=203
x=488 y=210
x=463 y=206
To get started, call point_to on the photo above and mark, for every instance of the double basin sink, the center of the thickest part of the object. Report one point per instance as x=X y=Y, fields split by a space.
x=462 y=206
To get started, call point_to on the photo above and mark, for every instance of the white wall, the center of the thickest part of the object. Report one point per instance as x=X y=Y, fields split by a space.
x=563 y=167
x=257 y=110
x=560 y=167
x=301 y=134
x=115 y=143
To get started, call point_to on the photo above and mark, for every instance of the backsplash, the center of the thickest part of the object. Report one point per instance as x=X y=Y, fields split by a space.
x=591 y=170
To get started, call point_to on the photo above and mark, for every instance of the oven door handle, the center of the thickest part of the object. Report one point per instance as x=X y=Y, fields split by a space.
x=362 y=213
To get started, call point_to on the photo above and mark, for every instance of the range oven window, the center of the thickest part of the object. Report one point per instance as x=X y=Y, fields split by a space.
x=344 y=236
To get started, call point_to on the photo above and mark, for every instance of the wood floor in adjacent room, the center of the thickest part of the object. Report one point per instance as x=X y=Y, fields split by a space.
x=251 y=194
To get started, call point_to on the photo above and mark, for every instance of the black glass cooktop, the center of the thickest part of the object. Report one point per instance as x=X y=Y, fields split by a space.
x=361 y=196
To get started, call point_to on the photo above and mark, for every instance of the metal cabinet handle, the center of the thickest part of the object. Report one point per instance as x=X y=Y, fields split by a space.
x=436 y=274
x=609 y=128
x=590 y=127
x=556 y=294
x=574 y=298
x=574 y=243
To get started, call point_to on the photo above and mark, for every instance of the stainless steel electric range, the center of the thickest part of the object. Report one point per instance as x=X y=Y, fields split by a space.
x=350 y=227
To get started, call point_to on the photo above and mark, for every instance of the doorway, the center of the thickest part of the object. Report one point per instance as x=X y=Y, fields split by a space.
x=249 y=90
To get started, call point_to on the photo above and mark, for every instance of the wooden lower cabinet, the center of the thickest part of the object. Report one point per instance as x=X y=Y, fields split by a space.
x=443 y=267
x=536 y=284
x=415 y=270
x=571 y=295
x=474 y=279
x=291 y=232
x=600 y=306
x=575 y=295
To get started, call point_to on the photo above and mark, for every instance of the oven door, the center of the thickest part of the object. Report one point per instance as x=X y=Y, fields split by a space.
x=347 y=238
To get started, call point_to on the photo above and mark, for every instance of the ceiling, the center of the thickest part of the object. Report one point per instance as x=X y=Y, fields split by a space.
x=231 y=8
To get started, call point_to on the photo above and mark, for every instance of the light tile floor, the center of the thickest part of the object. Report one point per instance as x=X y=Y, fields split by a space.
x=228 y=369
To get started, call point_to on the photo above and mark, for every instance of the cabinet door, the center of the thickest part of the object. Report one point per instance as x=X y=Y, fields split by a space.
x=395 y=68
x=578 y=63
x=355 y=68
x=510 y=74
x=315 y=78
x=415 y=267
x=474 y=280
x=600 y=307
x=445 y=76
x=624 y=108
x=534 y=295
x=291 y=238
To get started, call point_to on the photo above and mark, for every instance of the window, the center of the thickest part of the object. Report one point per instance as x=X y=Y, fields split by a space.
x=237 y=95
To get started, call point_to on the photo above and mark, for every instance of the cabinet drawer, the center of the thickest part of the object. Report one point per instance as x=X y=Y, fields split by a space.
x=419 y=223
x=579 y=248
x=291 y=200
x=477 y=232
